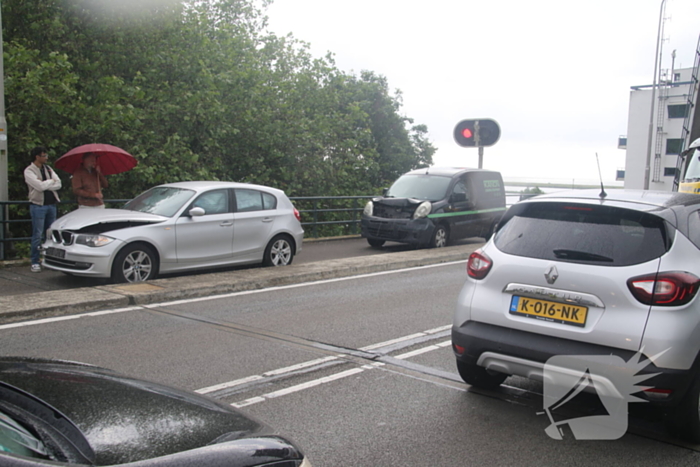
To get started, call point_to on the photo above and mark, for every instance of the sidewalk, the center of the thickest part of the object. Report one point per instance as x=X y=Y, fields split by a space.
x=25 y=295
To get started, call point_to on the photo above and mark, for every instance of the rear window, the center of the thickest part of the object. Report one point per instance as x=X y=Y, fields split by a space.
x=579 y=233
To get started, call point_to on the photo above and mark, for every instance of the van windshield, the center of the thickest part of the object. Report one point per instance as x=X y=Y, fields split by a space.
x=423 y=187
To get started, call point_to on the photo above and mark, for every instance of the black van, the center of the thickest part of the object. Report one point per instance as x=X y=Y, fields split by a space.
x=430 y=207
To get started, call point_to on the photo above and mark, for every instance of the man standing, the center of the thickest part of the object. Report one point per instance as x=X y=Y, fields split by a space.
x=88 y=182
x=43 y=184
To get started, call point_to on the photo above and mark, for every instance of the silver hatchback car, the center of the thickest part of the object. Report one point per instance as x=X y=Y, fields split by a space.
x=585 y=273
x=177 y=227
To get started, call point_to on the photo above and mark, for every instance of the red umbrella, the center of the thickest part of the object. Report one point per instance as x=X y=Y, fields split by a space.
x=111 y=159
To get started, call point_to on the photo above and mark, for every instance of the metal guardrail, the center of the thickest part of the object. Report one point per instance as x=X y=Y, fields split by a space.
x=327 y=216
x=320 y=215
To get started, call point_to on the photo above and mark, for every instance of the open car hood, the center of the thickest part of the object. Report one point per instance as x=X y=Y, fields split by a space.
x=81 y=218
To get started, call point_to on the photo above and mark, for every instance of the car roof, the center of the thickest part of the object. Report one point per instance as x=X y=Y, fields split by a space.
x=444 y=171
x=205 y=185
x=674 y=207
x=659 y=199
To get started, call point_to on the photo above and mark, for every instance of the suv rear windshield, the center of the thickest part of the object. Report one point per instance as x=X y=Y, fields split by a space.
x=582 y=233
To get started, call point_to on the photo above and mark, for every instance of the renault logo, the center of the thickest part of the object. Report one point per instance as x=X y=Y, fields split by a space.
x=551 y=275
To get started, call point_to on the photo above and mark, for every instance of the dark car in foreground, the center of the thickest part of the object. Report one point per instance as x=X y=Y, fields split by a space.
x=586 y=276
x=433 y=206
x=66 y=413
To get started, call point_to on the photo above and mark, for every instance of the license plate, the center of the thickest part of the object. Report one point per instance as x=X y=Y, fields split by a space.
x=549 y=311
x=56 y=252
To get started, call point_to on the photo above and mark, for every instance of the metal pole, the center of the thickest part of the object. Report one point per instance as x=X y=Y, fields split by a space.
x=481 y=157
x=647 y=167
x=4 y=190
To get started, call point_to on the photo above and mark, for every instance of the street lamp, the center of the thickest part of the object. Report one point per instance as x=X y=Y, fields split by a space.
x=647 y=167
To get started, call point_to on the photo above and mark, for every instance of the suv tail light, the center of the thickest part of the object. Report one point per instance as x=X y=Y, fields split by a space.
x=479 y=265
x=297 y=215
x=665 y=288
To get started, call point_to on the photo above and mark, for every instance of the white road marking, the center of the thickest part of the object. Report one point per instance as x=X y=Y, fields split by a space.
x=68 y=318
x=330 y=378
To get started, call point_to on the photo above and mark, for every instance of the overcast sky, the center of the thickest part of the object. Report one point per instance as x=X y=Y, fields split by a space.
x=555 y=74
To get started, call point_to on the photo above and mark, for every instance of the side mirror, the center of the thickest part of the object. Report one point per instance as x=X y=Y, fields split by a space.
x=458 y=197
x=384 y=191
x=197 y=212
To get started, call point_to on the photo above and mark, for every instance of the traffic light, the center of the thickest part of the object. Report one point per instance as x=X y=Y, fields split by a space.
x=477 y=133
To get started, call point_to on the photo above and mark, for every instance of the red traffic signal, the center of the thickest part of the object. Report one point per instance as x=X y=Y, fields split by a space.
x=477 y=133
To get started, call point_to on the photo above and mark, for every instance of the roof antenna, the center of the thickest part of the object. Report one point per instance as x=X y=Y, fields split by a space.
x=602 y=194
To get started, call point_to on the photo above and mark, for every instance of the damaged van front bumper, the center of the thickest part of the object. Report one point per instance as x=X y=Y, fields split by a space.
x=412 y=231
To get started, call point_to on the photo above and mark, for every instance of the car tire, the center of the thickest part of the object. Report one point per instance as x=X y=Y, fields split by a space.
x=479 y=376
x=684 y=420
x=440 y=237
x=375 y=242
x=135 y=263
x=279 y=252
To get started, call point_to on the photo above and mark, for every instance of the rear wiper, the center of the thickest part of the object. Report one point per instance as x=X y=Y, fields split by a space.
x=580 y=255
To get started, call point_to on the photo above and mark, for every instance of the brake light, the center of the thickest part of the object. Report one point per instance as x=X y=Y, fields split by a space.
x=297 y=215
x=673 y=288
x=479 y=265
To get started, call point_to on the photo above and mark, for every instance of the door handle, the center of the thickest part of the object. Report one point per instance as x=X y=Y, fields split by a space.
x=267 y=219
x=226 y=224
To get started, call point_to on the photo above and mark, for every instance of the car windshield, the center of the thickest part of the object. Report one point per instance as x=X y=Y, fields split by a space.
x=423 y=187
x=16 y=439
x=163 y=201
x=693 y=166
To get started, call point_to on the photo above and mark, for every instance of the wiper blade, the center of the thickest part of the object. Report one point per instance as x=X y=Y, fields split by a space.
x=563 y=253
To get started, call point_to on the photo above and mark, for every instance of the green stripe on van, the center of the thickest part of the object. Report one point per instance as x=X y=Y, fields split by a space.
x=463 y=213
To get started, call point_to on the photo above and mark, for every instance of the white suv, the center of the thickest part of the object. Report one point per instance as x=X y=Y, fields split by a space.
x=589 y=273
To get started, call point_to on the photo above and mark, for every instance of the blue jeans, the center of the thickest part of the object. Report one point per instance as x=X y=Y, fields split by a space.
x=42 y=218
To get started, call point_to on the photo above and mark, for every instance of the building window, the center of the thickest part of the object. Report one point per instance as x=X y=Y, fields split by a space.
x=676 y=77
x=622 y=142
x=673 y=145
x=620 y=174
x=678 y=110
x=669 y=171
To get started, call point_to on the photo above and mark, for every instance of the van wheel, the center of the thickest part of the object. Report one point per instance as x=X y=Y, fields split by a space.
x=440 y=236
x=684 y=420
x=479 y=376
x=135 y=263
x=279 y=252
x=375 y=242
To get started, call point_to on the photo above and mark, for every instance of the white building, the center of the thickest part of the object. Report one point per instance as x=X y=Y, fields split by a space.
x=670 y=124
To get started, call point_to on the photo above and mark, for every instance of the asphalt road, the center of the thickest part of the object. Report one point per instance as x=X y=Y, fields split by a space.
x=358 y=370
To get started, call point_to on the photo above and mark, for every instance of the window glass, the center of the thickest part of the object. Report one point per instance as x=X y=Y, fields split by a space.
x=677 y=110
x=423 y=187
x=213 y=202
x=673 y=145
x=269 y=201
x=249 y=200
x=580 y=233
x=163 y=201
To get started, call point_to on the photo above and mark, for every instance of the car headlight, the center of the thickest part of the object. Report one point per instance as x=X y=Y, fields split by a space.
x=423 y=210
x=369 y=209
x=93 y=240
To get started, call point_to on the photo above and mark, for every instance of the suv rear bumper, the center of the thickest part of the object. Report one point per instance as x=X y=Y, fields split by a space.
x=524 y=354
